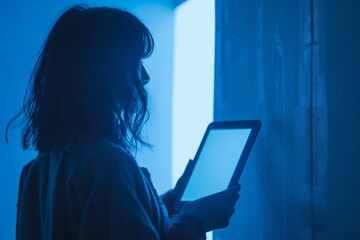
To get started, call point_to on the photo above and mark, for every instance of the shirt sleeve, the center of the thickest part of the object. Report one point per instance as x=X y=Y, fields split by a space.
x=168 y=199
x=178 y=227
x=105 y=182
x=20 y=192
x=184 y=228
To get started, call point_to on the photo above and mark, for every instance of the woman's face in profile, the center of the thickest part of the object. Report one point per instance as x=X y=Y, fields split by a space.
x=143 y=75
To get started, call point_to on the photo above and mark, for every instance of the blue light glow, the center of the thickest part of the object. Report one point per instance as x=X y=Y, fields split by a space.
x=193 y=81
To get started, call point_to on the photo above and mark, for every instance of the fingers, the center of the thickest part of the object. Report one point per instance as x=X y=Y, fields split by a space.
x=232 y=193
x=231 y=196
x=228 y=212
x=234 y=197
x=233 y=189
x=215 y=210
x=236 y=187
x=189 y=165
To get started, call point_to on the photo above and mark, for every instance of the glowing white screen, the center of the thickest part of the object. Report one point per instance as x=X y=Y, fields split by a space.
x=216 y=163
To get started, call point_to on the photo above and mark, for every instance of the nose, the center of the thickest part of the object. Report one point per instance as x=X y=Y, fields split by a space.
x=144 y=75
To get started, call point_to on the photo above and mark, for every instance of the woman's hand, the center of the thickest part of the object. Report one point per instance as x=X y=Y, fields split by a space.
x=214 y=211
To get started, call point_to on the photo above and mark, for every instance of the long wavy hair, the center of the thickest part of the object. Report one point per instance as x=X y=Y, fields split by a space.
x=86 y=80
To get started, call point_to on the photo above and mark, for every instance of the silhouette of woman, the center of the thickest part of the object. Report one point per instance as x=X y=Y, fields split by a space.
x=83 y=112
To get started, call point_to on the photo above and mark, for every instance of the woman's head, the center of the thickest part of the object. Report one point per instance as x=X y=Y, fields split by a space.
x=88 y=79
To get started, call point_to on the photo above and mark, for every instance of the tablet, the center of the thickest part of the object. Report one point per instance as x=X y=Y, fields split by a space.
x=220 y=159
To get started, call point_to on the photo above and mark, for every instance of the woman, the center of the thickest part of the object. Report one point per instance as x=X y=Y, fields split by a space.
x=83 y=113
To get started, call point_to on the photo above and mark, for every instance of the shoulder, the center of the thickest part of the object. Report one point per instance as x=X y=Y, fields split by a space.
x=27 y=167
x=99 y=156
x=29 y=176
x=102 y=146
x=98 y=151
x=32 y=166
x=99 y=169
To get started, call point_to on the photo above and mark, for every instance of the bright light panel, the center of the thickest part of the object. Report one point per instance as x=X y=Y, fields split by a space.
x=193 y=81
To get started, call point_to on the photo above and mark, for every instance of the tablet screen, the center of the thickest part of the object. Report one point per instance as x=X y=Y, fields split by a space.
x=216 y=163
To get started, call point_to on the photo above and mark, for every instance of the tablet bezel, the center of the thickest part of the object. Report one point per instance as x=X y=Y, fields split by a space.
x=254 y=125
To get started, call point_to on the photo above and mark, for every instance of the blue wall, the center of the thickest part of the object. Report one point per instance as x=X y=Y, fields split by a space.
x=294 y=65
x=342 y=70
